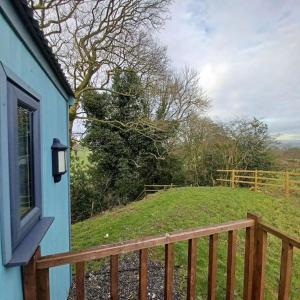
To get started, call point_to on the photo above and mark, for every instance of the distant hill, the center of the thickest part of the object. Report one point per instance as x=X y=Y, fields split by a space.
x=289 y=157
x=289 y=143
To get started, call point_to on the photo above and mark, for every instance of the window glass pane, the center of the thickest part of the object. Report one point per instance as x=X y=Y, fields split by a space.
x=25 y=162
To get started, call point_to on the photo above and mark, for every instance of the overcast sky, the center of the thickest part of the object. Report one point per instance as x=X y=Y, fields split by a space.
x=247 y=54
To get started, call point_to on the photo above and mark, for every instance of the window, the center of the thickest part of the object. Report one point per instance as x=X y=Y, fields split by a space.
x=22 y=226
x=24 y=162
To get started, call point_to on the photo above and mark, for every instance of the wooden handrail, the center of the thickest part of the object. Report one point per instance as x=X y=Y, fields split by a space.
x=274 y=231
x=138 y=244
x=153 y=188
x=37 y=281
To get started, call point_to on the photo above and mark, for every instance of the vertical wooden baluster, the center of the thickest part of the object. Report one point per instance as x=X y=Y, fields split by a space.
x=260 y=264
x=80 y=293
x=43 y=288
x=248 y=265
x=29 y=277
x=212 y=267
x=114 y=277
x=169 y=270
x=231 y=259
x=285 y=271
x=143 y=291
x=192 y=268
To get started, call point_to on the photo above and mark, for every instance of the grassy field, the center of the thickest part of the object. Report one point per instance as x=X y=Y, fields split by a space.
x=184 y=208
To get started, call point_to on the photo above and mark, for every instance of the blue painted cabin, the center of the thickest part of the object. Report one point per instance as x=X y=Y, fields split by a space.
x=34 y=102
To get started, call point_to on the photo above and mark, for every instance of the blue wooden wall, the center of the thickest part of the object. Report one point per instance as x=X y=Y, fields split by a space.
x=54 y=119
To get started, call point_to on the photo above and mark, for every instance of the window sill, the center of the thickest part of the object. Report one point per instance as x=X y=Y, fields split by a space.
x=23 y=253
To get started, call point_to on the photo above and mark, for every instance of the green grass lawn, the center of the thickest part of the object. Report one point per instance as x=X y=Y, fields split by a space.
x=182 y=208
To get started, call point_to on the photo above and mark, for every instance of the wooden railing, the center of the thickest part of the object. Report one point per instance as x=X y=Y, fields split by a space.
x=36 y=273
x=288 y=182
x=153 y=188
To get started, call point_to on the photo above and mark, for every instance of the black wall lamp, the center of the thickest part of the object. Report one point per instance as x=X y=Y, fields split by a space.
x=59 y=161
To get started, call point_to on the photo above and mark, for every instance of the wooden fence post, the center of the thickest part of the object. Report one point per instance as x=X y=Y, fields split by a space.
x=286 y=184
x=255 y=180
x=232 y=178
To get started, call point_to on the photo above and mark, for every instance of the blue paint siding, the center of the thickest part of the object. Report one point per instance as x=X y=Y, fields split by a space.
x=55 y=197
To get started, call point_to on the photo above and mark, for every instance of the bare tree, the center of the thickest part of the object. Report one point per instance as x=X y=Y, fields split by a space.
x=203 y=149
x=178 y=95
x=52 y=14
x=92 y=38
x=250 y=144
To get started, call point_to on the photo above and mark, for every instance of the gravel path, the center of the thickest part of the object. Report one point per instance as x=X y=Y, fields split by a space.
x=97 y=284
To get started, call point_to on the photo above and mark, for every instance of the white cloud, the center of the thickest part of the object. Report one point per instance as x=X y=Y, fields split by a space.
x=288 y=137
x=248 y=55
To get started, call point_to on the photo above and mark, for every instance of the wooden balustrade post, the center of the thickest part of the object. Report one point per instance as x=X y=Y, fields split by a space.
x=285 y=271
x=143 y=275
x=212 y=267
x=249 y=259
x=29 y=277
x=255 y=181
x=192 y=269
x=231 y=262
x=260 y=255
x=169 y=269
x=114 y=277
x=80 y=274
x=286 y=184
x=43 y=284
